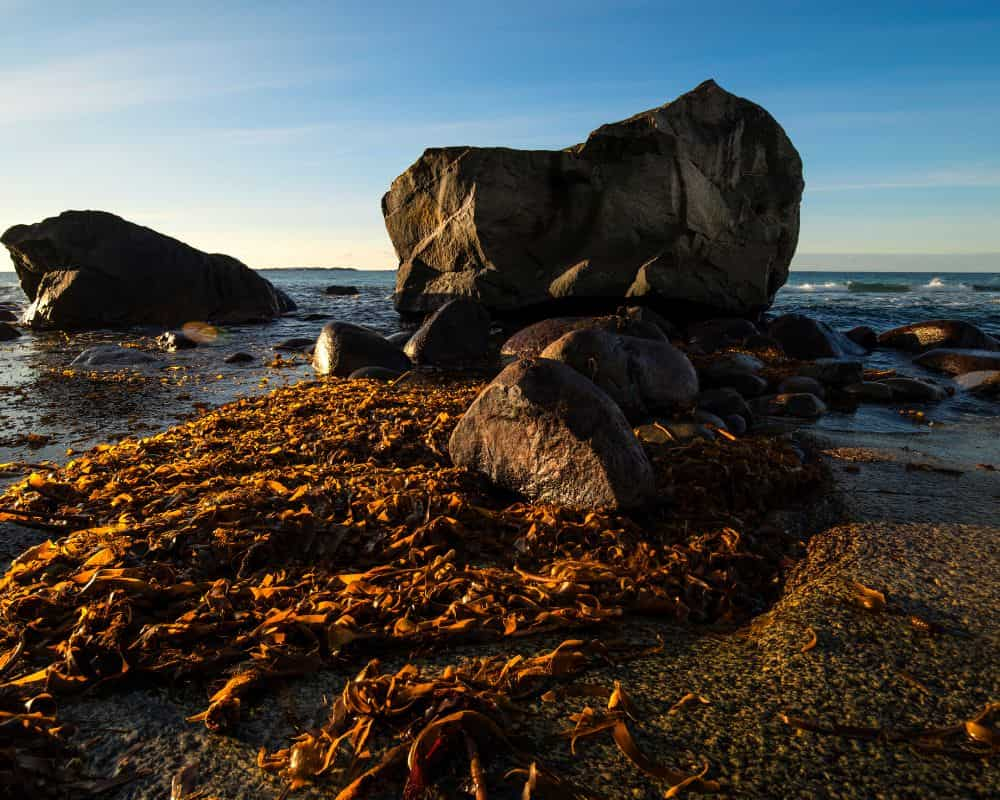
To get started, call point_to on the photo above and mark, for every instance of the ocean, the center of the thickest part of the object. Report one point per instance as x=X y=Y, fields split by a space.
x=47 y=410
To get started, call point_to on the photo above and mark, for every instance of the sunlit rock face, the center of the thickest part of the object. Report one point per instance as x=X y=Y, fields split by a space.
x=692 y=206
x=91 y=269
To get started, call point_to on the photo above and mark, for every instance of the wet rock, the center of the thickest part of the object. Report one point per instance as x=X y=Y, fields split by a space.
x=799 y=404
x=643 y=376
x=542 y=429
x=736 y=370
x=713 y=334
x=91 y=269
x=172 y=341
x=530 y=341
x=646 y=316
x=343 y=348
x=298 y=344
x=958 y=362
x=914 y=390
x=375 y=374
x=803 y=337
x=8 y=332
x=239 y=358
x=114 y=357
x=8 y=315
x=982 y=383
x=760 y=341
x=801 y=384
x=455 y=336
x=724 y=403
x=736 y=424
x=400 y=338
x=870 y=392
x=341 y=291
x=694 y=204
x=673 y=432
x=834 y=371
x=285 y=303
x=949 y=333
x=864 y=336
x=708 y=418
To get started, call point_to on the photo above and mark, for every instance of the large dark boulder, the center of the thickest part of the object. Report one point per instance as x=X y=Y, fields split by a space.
x=455 y=336
x=343 y=348
x=693 y=206
x=642 y=376
x=543 y=430
x=530 y=341
x=923 y=336
x=91 y=269
x=804 y=337
x=956 y=361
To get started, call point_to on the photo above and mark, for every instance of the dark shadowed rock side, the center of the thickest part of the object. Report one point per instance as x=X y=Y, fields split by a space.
x=342 y=348
x=692 y=206
x=542 y=429
x=91 y=269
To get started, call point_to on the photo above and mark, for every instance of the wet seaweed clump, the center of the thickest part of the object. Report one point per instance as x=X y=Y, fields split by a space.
x=324 y=523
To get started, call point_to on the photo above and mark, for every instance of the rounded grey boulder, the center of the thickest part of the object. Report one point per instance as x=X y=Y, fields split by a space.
x=455 y=336
x=923 y=336
x=957 y=362
x=343 y=348
x=642 y=376
x=543 y=430
x=530 y=341
x=111 y=356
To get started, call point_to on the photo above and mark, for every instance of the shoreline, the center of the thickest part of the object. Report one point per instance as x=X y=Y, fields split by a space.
x=749 y=677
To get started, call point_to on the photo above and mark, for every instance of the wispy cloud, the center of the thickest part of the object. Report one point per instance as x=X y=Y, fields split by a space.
x=987 y=177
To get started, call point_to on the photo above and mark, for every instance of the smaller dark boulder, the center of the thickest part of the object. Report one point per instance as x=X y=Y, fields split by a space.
x=375 y=374
x=343 y=348
x=834 y=371
x=298 y=344
x=172 y=341
x=864 y=336
x=341 y=291
x=724 y=403
x=869 y=392
x=456 y=336
x=982 y=383
x=400 y=338
x=285 y=303
x=914 y=390
x=8 y=332
x=736 y=370
x=713 y=334
x=530 y=341
x=801 y=405
x=801 y=384
x=8 y=315
x=736 y=424
x=923 y=336
x=112 y=356
x=803 y=337
x=238 y=358
x=957 y=362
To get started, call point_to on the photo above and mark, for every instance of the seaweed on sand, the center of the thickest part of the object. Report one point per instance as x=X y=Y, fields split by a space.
x=323 y=523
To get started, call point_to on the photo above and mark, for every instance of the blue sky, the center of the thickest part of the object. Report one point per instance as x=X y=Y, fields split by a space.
x=270 y=130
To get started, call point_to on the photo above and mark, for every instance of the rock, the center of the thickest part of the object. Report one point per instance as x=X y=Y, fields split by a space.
x=455 y=336
x=642 y=376
x=8 y=332
x=375 y=374
x=172 y=341
x=983 y=383
x=870 y=392
x=238 y=358
x=958 y=362
x=542 y=429
x=341 y=291
x=834 y=371
x=799 y=404
x=736 y=424
x=760 y=341
x=803 y=337
x=530 y=341
x=736 y=370
x=643 y=315
x=864 y=336
x=713 y=334
x=400 y=338
x=314 y=317
x=114 y=357
x=801 y=384
x=285 y=303
x=708 y=418
x=693 y=205
x=923 y=336
x=299 y=344
x=724 y=403
x=343 y=348
x=914 y=390
x=7 y=315
x=91 y=269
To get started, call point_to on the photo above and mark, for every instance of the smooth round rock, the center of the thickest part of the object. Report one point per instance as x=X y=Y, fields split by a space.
x=238 y=358
x=295 y=344
x=957 y=361
x=375 y=374
x=114 y=357
x=340 y=291
x=736 y=424
x=864 y=336
x=803 y=337
x=343 y=347
x=801 y=384
x=914 y=390
x=455 y=336
x=723 y=403
x=952 y=333
x=870 y=392
x=172 y=341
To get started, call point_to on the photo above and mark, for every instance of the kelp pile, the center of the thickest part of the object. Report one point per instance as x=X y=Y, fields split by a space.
x=324 y=522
